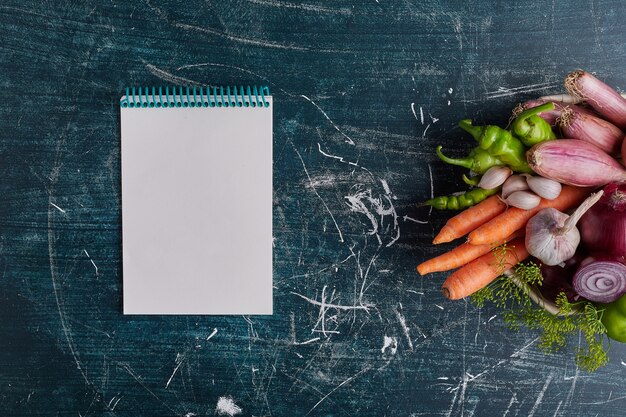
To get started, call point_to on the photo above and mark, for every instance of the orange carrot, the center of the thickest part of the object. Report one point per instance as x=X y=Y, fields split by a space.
x=470 y=219
x=458 y=256
x=482 y=271
x=514 y=218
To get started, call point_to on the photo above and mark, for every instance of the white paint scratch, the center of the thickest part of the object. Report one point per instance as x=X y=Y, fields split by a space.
x=539 y=399
x=513 y=400
x=422 y=115
x=308 y=7
x=226 y=407
x=343 y=160
x=405 y=328
x=334 y=306
x=348 y=138
x=505 y=92
x=376 y=209
x=411 y=219
x=92 y=262
x=57 y=207
x=352 y=378
x=251 y=41
x=213 y=333
x=319 y=196
x=390 y=343
x=179 y=361
x=306 y=342
x=171 y=78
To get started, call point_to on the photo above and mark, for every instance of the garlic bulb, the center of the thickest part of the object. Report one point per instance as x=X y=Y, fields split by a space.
x=494 y=177
x=543 y=187
x=525 y=200
x=552 y=236
x=512 y=184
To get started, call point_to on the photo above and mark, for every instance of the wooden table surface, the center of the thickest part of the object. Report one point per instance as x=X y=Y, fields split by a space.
x=364 y=90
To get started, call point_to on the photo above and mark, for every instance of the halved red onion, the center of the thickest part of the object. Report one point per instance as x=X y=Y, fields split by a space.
x=602 y=281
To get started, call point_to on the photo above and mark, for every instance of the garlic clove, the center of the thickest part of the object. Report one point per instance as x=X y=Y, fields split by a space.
x=512 y=184
x=525 y=200
x=544 y=187
x=494 y=177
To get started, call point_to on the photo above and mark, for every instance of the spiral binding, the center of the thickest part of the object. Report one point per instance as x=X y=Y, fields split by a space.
x=167 y=97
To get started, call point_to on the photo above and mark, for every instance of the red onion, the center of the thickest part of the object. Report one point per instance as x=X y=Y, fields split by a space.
x=558 y=279
x=605 y=100
x=602 y=281
x=603 y=227
x=624 y=151
x=592 y=129
x=574 y=162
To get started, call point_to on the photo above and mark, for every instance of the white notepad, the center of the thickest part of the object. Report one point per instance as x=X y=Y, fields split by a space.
x=197 y=200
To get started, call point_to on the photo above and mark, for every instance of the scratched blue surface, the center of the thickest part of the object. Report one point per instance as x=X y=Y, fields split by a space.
x=364 y=91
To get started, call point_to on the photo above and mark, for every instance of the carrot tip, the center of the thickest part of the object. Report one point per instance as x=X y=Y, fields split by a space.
x=445 y=292
x=438 y=239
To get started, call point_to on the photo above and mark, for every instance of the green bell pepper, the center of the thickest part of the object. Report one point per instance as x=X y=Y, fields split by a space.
x=531 y=128
x=614 y=319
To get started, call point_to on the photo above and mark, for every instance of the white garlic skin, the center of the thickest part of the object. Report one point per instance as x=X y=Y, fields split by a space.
x=494 y=177
x=544 y=187
x=525 y=200
x=541 y=242
x=512 y=184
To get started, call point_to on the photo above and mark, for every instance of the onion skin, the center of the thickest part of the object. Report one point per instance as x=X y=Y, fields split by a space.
x=601 y=281
x=574 y=162
x=624 y=151
x=603 y=227
x=605 y=100
x=592 y=129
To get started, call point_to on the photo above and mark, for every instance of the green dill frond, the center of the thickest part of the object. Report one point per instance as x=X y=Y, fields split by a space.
x=499 y=252
x=529 y=273
x=563 y=304
x=480 y=297
x=519 y=310
x=593 y=358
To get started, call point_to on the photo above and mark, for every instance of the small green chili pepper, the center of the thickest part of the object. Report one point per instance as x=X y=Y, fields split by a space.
x=473 y=181
x=532 y=129
x=500 y=143
x=479 y=160
x=461 y=201
x=614 y=319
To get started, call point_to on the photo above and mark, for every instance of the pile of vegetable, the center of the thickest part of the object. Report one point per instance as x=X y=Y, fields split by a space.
x=545 y=219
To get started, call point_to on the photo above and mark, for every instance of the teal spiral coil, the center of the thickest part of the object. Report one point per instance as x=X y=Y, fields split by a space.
x=193 y=96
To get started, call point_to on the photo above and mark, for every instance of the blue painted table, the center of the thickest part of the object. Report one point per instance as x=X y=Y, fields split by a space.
x=364 y=91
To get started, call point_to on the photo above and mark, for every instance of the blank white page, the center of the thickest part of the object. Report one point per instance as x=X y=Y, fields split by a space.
x=197 y=210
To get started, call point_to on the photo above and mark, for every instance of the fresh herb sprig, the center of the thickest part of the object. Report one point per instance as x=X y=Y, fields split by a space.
x=519 y=310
